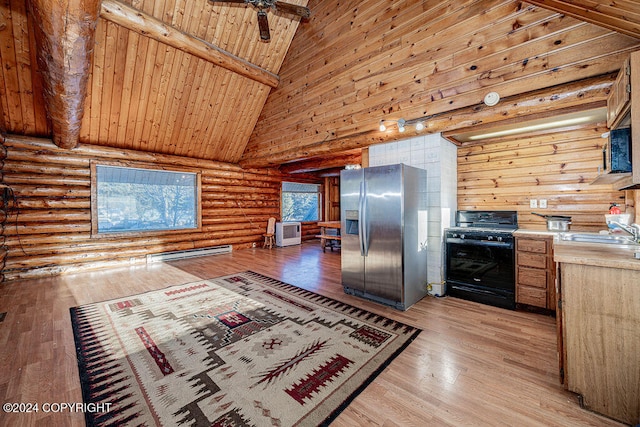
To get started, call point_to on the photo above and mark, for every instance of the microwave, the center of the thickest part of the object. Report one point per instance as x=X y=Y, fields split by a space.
x=616 y=154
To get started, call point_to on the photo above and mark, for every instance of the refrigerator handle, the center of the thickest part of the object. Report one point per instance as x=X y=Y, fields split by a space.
x=365 y=224
x=360 y=227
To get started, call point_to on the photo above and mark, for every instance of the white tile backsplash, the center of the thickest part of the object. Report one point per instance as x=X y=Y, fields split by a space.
x=417 y=144
x=376 y=150
x=404 y=146
x=432 y=157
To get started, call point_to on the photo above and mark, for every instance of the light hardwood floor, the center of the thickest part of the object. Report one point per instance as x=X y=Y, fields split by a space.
x=472 y=364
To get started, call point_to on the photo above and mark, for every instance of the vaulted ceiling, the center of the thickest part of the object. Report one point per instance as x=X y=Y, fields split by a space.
x=192 y=78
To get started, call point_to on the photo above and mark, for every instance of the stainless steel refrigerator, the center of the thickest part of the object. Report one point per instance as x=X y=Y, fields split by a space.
x=384 y=234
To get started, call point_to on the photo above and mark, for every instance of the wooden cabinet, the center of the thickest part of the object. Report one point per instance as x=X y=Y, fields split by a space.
x=599 y=341
x=619 y=97
x=535 y=272
x=623 y=110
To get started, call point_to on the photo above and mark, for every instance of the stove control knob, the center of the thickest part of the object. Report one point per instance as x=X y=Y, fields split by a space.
x=499 y=238
x=489 y=237
x=462 y=236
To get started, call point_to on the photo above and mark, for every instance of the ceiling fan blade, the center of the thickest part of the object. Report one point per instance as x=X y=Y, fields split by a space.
x=263 y=26
x=292 y=9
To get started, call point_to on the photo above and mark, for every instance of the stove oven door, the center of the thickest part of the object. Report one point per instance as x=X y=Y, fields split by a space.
x=480 y=270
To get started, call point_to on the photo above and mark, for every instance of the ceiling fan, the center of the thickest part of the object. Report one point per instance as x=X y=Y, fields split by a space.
x=263 y=5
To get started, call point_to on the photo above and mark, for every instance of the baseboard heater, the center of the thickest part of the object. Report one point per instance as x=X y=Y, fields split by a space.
x=190 y=253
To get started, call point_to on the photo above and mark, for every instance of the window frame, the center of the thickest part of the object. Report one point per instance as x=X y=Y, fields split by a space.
x=320 y=194
x=136 y=165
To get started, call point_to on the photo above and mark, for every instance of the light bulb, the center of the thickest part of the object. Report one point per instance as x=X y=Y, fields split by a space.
x=419 y=126
x=401 y=123
x=382 y=126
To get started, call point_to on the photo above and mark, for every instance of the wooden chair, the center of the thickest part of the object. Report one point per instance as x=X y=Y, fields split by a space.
x=269 y=236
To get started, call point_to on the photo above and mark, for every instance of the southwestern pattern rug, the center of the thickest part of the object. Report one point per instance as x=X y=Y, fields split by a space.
x=238 y=350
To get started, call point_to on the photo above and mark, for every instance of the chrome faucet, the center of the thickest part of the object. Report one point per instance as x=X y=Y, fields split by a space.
x=633 y=229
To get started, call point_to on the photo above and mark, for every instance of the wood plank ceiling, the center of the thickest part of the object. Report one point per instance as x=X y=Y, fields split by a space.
x=350 y=65
x=147 y=94
x=415 y=59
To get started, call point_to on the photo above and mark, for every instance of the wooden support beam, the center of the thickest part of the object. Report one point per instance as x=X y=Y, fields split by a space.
x=605 y=14
x=587 y=93
x=329 y=173
x=149 y=26
x=337 y=160
x=65 y=37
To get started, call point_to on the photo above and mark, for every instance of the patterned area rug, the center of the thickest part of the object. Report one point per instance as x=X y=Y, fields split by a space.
x=238 y=350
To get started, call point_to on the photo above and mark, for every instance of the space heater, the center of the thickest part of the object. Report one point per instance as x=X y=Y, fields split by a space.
x=288 y=233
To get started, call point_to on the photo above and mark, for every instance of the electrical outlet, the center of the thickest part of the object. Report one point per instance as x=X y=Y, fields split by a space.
x=533 y=203
x=543 y=203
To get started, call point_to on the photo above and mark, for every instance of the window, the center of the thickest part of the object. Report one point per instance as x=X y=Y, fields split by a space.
x=138 y=200
x=300 y=202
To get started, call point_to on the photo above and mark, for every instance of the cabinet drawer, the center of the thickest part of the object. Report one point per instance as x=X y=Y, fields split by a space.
x=529 y=245
x=532 y=260
x=531 y=296
x=532 y=277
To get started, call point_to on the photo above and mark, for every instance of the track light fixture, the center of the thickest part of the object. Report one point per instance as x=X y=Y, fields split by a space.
x=401 y=123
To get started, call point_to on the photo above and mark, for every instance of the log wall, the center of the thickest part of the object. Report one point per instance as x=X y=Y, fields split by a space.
x=505 y=174
x=48 y=227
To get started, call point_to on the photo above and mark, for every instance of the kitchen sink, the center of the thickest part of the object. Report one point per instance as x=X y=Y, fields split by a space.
x=610 y=239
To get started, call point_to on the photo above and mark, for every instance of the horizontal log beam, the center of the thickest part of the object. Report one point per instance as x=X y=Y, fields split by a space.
x=598 y=13
x=40 y=169
x=329 y=173
x=149 y=26
x=586 y=93
x=83 y=153
x=323 y=162
x=65 y=37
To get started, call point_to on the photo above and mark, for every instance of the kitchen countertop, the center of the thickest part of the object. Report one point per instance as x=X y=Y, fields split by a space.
x=542 y=231
x=597 y=254
x=535 y=231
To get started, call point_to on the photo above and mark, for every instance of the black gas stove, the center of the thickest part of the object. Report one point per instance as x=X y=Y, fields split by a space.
x=480 y=257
